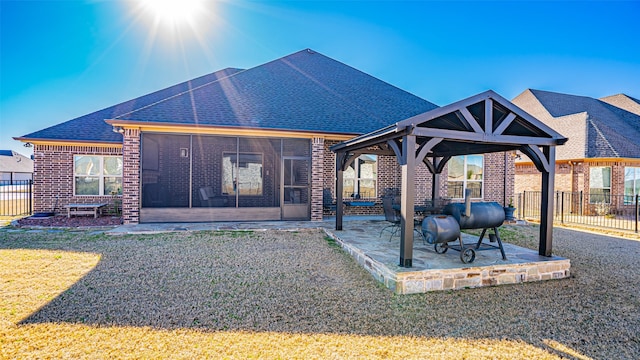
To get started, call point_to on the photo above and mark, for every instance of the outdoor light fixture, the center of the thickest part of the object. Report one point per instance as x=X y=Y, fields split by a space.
x=118 y=129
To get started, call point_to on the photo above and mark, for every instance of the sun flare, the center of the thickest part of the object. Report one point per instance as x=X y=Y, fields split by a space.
x=173 y=12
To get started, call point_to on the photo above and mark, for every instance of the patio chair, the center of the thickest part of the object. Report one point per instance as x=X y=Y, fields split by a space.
x=327 y=200
x=208 y=198
x=391 y=216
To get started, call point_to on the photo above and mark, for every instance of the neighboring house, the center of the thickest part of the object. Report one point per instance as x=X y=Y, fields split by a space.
x=601 y=160
x=14 y=167
x=244 y=145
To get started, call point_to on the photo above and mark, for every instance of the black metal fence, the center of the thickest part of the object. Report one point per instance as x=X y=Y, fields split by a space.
x=16 y=197
x=597 y=210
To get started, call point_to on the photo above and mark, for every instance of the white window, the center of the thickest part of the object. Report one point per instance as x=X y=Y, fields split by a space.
x=361 y=177
x=242 y=173
x=631 y=184
x=97 y=175
x=600 y=185
x=465 y=172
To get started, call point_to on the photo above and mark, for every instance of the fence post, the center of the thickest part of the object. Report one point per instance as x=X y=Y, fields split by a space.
x=562 y=207
x=524 y=203
x=637 y=212
x=519 y=204
x=30 y=197
x=581 y=204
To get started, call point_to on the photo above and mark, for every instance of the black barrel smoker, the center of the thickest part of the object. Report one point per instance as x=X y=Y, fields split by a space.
x=443 y=229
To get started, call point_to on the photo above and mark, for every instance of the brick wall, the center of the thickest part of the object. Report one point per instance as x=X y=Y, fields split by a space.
x=497 y=187
x=573 y=176
x=329 y=167
x=389 y=177
x=528 y=178
x=53 y=175
x=617 y=180
x=131 y=177
x=318 y=152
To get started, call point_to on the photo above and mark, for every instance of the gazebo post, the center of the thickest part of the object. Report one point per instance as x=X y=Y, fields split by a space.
x=435 y=188
x=546 y=208
x=408 y=169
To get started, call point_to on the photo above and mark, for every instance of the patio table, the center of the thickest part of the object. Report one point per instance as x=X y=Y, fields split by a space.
x=418 y=209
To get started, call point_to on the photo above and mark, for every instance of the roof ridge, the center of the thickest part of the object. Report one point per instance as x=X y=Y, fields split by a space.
x=604 y=138
x=311 y=51
x=183 y=92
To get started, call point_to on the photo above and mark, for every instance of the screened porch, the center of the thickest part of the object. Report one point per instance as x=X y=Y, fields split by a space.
x=187 y=177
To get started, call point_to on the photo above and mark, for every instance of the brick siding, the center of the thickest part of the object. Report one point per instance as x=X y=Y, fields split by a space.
x=53 y=176
x=528 y=178
x=317 y=177
x=573 y=176
x=389 y=177
x=131 y=177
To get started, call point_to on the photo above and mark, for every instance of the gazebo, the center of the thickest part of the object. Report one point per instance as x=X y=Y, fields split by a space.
x=483 y=123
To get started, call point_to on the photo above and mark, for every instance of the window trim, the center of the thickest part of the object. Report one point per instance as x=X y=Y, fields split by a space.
x=464 y=177
x=357 y=178
x=236 y=168
x=101 y=175
x=606 y=197
x=630 y=199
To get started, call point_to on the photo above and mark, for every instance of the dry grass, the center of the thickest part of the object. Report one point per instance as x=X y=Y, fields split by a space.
x=81 y=341
x=294 y=295
x=13 y=206
x=32 y=278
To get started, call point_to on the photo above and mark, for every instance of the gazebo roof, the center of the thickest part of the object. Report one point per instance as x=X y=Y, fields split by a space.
x=483 y=123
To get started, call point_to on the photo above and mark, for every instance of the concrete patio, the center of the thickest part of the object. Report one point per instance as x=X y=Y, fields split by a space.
x=379 y=255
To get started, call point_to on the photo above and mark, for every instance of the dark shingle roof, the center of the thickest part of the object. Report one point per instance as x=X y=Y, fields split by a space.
x=304 y=91
x=611 y=131
x=91 y=127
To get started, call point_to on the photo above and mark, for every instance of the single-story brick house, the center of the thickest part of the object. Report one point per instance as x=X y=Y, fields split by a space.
x=245 y=145
x=601 y=161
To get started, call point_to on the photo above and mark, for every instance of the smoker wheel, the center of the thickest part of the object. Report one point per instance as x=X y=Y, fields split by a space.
x=441 y=248
x=468 y=255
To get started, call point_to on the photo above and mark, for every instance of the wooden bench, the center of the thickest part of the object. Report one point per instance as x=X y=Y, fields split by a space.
x=85 y=209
